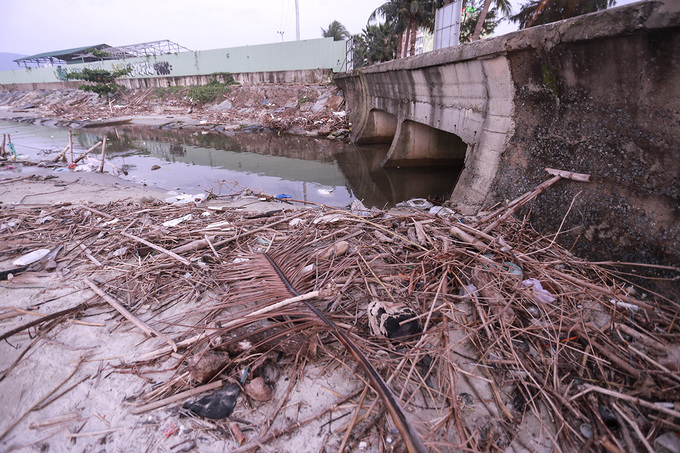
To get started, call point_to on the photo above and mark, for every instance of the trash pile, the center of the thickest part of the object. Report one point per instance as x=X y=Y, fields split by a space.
x=472 y=333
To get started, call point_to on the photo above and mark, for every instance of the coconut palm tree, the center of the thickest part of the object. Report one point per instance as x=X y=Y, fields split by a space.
x=336 y=30
x=472 y=12
x=502 y=5
x=405 y=17
x=375 y=43
x=539 y=12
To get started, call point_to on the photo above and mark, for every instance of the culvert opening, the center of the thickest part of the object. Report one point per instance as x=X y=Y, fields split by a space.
x=380 y=128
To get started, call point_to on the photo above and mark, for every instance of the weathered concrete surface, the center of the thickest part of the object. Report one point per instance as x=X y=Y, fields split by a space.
x=302 y=76
x=596 y=94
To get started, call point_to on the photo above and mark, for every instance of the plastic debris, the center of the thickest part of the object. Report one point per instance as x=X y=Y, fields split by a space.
x=29 y=258
x=175 y=222
x=540 y=295
x=441 y=211
x=221 y=224
x=667 y=443
x=358 y=208
x=330 y=218
x=419 y=203
x=187 y=198
x=283 y=196
x=43 y=220
x=620 y=304
x=296 y=222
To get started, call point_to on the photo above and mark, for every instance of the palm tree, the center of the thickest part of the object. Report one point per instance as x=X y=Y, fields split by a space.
x=375 y=43
x=336 y=30
x=405 y=17
x=539 y=12
x=472 y=12
x=503 y=5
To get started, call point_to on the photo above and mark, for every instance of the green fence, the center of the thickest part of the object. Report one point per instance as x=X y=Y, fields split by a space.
x=321 y=53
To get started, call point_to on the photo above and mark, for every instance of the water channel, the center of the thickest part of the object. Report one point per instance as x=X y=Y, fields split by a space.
x=310 y=169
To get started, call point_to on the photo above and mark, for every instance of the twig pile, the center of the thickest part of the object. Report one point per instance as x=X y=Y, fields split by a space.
x=519 y=338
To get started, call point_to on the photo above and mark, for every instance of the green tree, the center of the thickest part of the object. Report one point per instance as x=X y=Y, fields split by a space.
x=376 y=43
x=103 y=82
x=335 y=30
x=472 y=12
x=405 y=17
x=502 y=5
x=539 y=12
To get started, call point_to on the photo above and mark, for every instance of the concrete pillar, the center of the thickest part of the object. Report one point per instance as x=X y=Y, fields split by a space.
x=417 y=144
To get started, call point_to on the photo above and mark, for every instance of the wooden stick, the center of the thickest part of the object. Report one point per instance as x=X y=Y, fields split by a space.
x=630 y=399
x=129 y=316
x=90 y=256
x=178 y=397
x=101 y=165
x=167 y=349
x=62 y=154
x=580 y=177
x=2 y=150
x=70 y=144
x=157 y=247
x=82 y=156
x=520 y=201
x=354 y=419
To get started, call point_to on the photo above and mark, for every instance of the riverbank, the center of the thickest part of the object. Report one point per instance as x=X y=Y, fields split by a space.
x=310 y=110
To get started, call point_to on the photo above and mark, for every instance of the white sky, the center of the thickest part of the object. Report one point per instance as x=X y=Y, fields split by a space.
x=35 y=26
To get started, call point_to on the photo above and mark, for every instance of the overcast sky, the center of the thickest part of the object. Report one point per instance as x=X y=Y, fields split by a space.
x=35 y=26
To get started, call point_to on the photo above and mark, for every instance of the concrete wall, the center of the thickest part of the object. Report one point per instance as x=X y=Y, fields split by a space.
x=597 y=94
x=292 y=61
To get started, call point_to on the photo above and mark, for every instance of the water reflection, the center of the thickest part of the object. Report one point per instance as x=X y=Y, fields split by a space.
x=310 y=169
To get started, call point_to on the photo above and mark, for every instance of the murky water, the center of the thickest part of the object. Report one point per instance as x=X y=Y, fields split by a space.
x=309 y=169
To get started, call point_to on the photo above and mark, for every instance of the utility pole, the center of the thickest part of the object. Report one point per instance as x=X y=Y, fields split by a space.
x=297 y=20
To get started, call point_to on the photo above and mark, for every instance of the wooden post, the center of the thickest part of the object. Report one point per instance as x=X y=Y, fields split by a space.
x=101 y=166
x=70 y=145
x=2 y=150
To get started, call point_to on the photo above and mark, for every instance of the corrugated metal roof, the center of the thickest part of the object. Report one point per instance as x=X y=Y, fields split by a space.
x=61 y=54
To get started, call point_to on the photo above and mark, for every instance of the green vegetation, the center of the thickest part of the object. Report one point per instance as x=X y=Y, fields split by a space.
x=102 y=82
x=199 y=94
x=537 y=12
x=335 y=30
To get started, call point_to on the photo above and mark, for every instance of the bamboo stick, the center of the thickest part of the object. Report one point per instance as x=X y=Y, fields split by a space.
x=101 y=165
x=70 y=145
x=92 y=148
x=129 y=316
x=158 y=247
x=62 y=154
